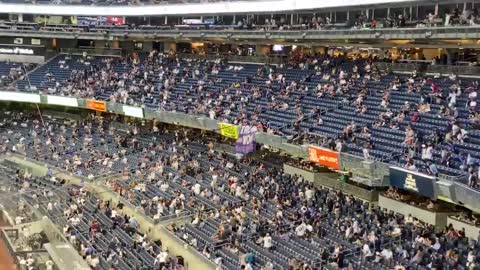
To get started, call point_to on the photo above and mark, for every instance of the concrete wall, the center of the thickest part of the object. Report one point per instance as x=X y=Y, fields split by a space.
x=438 y=219
x=330 y=180
x=467 y=197
x=22 y=58
x=35 y=168
x=357 y=166
x=309 y=176
x=471 y=231
x=281 y=143
x=192 y=121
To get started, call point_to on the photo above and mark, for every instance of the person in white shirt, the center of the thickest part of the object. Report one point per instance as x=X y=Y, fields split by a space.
x=301 y=229
x=94 y=262
x=18 y=220
x=164 y=186
x=212 y=114
x=436 y=246
x=385 y=256
x=366 y=154
x=471 y=260
x=161 y=259
x=75 y=221
x=49 y=265
x=218 y=261
x=309 y=194
x=197 y=188
x=338 y=146
x=267 y=241
x=367 y=253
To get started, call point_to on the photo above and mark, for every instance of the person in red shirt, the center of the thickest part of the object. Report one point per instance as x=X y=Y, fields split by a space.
x=94 y=227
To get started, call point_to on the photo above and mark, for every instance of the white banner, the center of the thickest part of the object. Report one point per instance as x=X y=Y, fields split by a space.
x=64 y=101
x=22 y=97
x=133 y=111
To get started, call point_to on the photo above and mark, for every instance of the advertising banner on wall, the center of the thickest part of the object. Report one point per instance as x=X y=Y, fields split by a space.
x=132 y=111
x=246 y=140
x=324 y=157
x=413 y=181
x=64 y=101
x=21 y=97
x=96 y=105
x=19 y=49
x=229 y=130
x=114 y=20
x=92 y=21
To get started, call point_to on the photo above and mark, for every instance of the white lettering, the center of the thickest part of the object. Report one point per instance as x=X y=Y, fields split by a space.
x=16 y=50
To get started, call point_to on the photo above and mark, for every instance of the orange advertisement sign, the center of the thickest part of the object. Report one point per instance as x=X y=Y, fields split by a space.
x=97 y=105
x=324 y=157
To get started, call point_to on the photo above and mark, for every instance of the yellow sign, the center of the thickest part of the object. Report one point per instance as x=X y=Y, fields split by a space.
x=229 y=130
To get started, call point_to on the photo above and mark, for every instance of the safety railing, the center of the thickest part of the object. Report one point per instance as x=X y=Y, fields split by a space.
x=427 y=32
x=92 y=51
x=424 y=67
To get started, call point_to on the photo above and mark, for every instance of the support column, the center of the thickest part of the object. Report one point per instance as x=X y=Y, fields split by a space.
x=450 y=56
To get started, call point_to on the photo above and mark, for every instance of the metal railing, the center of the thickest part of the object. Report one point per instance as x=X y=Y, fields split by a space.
x=442 y=69
x=92 y=51
x=417 y=33
x=237 y=58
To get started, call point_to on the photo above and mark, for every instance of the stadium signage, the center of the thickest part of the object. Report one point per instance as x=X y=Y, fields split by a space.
x=21 y=97
x=133 y=111
x=246 y=140
x=64 y=101
x=96 y=105
x=422 y=184
x=324 y=157
x=17 y=50
x=229 y=130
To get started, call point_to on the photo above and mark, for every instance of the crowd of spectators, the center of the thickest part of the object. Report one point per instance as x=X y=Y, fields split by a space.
x=244 y=214
x=305 y=99
x=103 y=236
x=315 y=21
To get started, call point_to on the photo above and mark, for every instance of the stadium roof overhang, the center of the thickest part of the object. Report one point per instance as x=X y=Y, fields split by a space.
x=245 y=7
